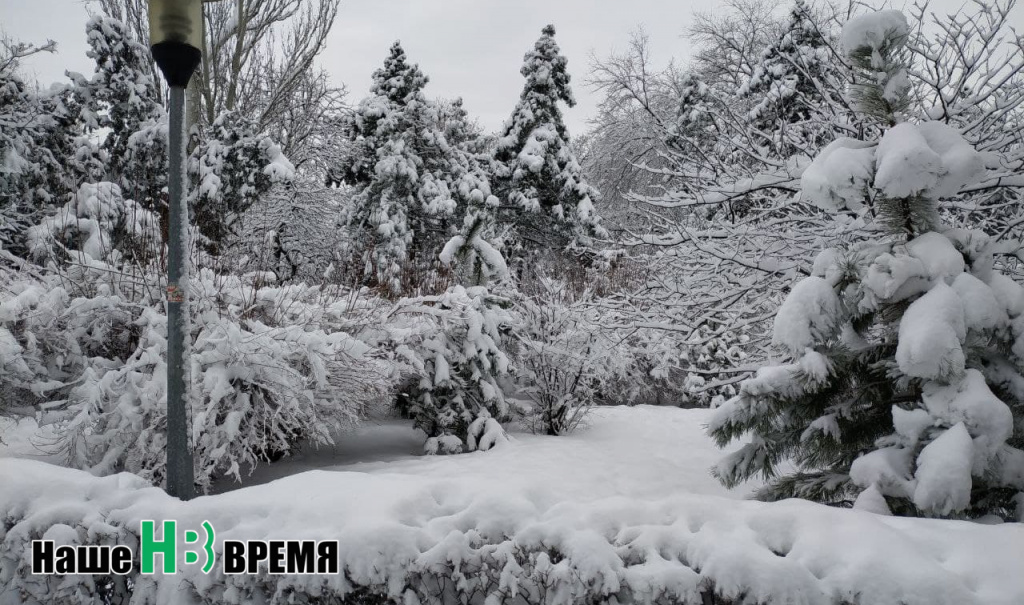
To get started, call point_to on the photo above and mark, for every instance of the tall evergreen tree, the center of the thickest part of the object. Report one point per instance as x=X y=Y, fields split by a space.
x=40 y=132
x=122 y=95
x=790 y=84
x=233 y=161
x=536 y=171
x=415 y=186
x=906 y=354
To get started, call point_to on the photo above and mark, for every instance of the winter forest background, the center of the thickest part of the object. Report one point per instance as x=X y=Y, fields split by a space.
x=812 y=228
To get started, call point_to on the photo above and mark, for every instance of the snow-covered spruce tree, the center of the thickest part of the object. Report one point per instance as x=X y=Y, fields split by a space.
x=459 y=129
x=415 y=185
x=450 y=349
x=123 y=98
x=38 y=132
x=904 y=380
x=548 y=203
x=457 y=355
x=791 y=83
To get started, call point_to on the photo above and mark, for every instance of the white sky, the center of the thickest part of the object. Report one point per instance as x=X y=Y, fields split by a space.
x=468 y=48
x=474 y=48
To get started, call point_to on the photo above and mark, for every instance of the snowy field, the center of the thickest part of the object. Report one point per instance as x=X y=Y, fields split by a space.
x=627 y=501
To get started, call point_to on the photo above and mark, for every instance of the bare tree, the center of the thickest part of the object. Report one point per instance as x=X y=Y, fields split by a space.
x=258 y=52
x=723 y=230
x=259 y=56
x=625 y=141
x=13 y=52
x=308 y=126
x=969 y=72
x=729 y=39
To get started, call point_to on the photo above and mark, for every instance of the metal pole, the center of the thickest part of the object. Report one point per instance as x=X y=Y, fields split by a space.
x=180 y=482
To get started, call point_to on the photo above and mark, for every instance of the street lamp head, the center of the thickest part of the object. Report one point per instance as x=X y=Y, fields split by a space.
x=176 y=36
x=176 y=21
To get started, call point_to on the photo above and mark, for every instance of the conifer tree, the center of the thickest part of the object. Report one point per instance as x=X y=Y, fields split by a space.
x=695 y=133
x=791 y=82
x=695 y=110
x=905 y=354
x=415 y=186
x=40 y=132
x=549 y=203
x=233 y=164
x=233 y=161
x=463 y=364
x=122 y=95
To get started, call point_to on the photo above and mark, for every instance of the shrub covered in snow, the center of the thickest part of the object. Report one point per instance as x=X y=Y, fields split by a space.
x=906 y=354
x=291 y=234
x=98 y=230
x=567 y=362
x=450 y=357
x=85 y=345
x=96 y=366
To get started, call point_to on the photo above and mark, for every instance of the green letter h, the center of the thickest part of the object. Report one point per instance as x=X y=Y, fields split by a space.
x=151 y=547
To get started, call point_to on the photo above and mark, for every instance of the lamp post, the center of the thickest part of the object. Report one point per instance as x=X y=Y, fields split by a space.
x=176 y=36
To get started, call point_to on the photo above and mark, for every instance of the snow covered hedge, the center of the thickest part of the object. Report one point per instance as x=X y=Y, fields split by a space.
x=415 y=540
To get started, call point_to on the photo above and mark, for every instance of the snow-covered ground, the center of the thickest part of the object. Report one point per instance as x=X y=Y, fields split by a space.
x=23 y=438
x=643 y=452
x=627 y=503
x=639 y=452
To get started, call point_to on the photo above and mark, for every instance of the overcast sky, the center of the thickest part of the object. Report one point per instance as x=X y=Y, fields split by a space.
x=468 y=48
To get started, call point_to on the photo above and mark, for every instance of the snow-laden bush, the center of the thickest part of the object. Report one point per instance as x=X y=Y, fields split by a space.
x=99 y=230
x=484 y=433
x=85 y=345
x=567 y=360
x=668 y=366
x=291 y=234
x=450 y=361
x=649 y=352
x=96 y=366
